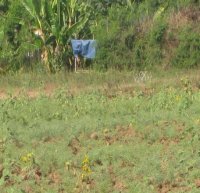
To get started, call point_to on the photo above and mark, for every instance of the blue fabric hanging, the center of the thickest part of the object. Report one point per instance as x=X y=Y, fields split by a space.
x=85 y=48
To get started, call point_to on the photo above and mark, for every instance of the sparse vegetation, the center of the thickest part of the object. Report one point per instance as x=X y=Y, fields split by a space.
x=115 y=137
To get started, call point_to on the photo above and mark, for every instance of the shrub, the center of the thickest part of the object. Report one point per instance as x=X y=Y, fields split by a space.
x=142 y=41
x=128 y=44
x=115 y=46
x=187 y=54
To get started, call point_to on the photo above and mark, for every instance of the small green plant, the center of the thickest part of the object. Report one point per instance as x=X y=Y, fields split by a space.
x=157 y=32
x=186 y=85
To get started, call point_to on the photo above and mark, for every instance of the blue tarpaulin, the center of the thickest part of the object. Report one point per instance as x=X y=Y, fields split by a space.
x=85 y=48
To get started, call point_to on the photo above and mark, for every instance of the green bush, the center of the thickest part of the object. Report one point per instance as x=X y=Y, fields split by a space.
x=137 y=40
x=126 y=45
x=157 y=32
x=148 y=49
x=187 y=54
x=114 y=34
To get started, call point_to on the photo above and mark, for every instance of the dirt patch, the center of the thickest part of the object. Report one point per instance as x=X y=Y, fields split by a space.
x=123 y=134
x=126 y=132
x=27 y=189
x=168 y=141
x=55 y=178
x=2 y=95
x=33 y=93
x=167 y=187
x=49 y=89
x=94 y=136
x=197 y=183
x=75 y=145
x=49 y=139
x=117 y=184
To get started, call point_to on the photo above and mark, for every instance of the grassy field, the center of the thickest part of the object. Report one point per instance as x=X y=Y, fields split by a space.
x=100 y=132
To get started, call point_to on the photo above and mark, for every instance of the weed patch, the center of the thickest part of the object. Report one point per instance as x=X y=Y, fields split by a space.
x=143 y=140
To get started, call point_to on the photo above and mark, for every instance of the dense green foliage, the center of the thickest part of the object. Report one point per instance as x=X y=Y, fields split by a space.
x=130 y=34
x=150 y=34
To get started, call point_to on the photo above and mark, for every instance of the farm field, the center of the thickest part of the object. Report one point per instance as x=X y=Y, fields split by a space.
x=100 y=133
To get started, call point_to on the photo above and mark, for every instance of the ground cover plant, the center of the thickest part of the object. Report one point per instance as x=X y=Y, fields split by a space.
x=112 y=138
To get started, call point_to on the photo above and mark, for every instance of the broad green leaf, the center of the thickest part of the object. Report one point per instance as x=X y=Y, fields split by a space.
x=37 y=6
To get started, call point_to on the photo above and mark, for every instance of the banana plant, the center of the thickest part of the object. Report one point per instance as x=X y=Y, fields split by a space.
x=65 y=22
x=56 y=21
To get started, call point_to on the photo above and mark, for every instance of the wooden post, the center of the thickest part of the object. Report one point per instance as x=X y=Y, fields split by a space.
x=75 y=65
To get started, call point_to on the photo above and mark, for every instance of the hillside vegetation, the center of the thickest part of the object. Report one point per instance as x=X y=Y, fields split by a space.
x=139 y=34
